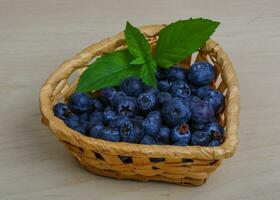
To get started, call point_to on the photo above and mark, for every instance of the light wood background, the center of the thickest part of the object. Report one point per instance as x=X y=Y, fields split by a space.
x=37 y=35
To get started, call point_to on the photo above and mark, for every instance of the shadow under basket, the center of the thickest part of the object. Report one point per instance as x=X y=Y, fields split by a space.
x=190 y=165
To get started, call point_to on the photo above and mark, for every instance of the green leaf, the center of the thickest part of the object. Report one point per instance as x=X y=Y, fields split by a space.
x=148 y=72
x=137 y=44
x=138 y=61
x=182 y=38
x=108 y=70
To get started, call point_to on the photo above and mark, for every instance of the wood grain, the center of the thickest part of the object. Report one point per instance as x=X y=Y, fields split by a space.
x=36 y=36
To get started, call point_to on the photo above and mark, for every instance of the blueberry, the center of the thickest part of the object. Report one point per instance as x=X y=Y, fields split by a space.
x=117 y=123
x=95 y=130
x=193 y=99
x=176 y=73
x=129 y=132
x=116 y=98
x=164 y=85
x=163 y=97
x=148 y=140
x=180 y=89
x=201 y=73
x=149 y=89
x=85 y=116
x=163 y=135
x=107 y=94
x=146 y=101
x=127 y=106
x=95 y=118
x=200 y=138
x=138 y=120
x=202 y=91
x=196 y=127
x=202 y=112
x=181 y=135
x=215 y=130
x=62 y=111
x=152 y=123
x=80 y=102
x=74 y=123
x=176 y=112
x=96 y=105
x=110 y=134
x=109 y=114
x=216 y=99
x=214 y=143
x=132 y=86
x=161 y=74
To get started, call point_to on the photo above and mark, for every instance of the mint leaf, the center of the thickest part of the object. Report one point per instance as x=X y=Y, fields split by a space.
x=182 y=38
x=148 y=72
x=108 y=70
x=137 y=44
x=138 y=61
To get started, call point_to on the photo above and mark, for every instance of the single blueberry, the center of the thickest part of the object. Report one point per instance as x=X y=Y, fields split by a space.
x=138 y=119
x=107 y=94
x=193 y=99
x=129 y=133
x=148 y=140
x=216 y=99
x=164 y=85
x=117 y=123
x=196 y=126
x=203 y=91
x=214 y=143
x=202 y=112
x=200 y=138
x=96 y=118
x=95 y=131
x=161 y=73
x=146 y=101
x=127 y=106
x=116 y=98
x=215 y=130
x=74 y=123
x=132 y=86
x=151 y=124
x=176 y=112
x=149 y=89
x=163 y=135
x=96 y=105
x=181 y=135
x=201 y=73
x=62 y=111
x=180 y=89
x=163 y=97
x=176 y=73
x=110 y=134
x=80 y=102
x=109 y=114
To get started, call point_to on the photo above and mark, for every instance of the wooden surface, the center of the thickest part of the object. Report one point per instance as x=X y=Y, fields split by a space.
x=36 y=36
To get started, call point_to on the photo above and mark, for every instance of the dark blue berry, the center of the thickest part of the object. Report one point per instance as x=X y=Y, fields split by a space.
x=216 y=99
x=127 y=106
x=215 y=130
x=176 y=112
x=196 y=126
x=202 y=112
x=95 y=130
x=161 y=74
x=80 y=102
x=164 y=85
x=200 y=138
x=96 y=105
x=214 y=143
x=129 y=132
x=193 y=99
x=132 y=86
x=202 y=91
x=176 y=73
x=118 y=122
x=74 y=123
x=62 y=111
x=116 y=98
x=110 y=134
x=138 y=119
x=163 y=97
x=107 y=94
x=146 y=101
x=148 y=140
x=180 y=89
x=181 y=135
x=201 y=73
x=152 y=123
x=95 y=118
x=109 y=114
x=163 y=135
x=149 y=89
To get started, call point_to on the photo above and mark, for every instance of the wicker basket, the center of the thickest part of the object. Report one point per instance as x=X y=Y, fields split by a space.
x=189 y=165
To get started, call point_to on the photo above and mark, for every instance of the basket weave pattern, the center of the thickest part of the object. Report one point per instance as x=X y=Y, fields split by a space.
x=189 y=165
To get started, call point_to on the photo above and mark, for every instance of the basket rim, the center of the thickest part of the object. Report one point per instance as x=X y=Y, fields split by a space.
x=66 y=134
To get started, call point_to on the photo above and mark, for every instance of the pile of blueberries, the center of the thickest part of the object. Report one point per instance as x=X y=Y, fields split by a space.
x=181 y=111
